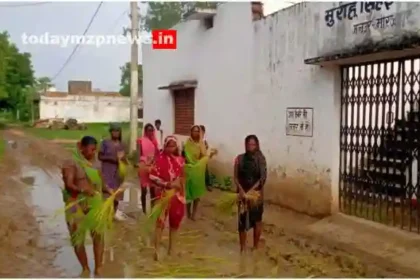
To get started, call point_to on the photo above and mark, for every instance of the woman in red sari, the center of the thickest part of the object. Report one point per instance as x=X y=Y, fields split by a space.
x=167 y=174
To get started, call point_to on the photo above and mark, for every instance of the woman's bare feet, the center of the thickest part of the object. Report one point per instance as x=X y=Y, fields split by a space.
x=98 y=272
x=85 y=273
x=156 y=256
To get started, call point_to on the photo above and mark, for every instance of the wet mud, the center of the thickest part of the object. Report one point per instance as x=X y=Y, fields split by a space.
x=207 y=247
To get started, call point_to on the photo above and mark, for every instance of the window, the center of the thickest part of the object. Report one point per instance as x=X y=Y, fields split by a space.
x=208 y=22
x=184 y=110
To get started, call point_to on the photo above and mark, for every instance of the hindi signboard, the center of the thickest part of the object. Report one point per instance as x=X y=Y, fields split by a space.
x=299 y=122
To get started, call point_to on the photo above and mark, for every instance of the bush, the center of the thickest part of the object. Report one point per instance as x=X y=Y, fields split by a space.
x=226 y=185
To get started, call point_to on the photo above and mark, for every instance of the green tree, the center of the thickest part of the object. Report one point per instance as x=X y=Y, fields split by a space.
x=4 y=51
x=43 y=84
x=16 y=77
x=164 y=15
x=126 y=79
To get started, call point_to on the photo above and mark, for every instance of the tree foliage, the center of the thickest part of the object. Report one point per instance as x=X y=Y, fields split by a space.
x=126 y=79
x=164 y=15
x=16 y=78
x=43 y=84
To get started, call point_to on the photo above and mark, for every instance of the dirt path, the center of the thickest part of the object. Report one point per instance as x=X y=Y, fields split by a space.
x=207 y=247
x=22 y=254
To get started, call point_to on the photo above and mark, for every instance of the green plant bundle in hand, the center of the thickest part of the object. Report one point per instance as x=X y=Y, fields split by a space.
x=91 y=221
x=99 y=219
x=225 y=205
x=122 y=170
x=159 y=209
x=69 y=205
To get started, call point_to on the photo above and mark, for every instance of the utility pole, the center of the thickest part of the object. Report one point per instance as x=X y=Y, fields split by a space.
x=134 y=87
x=134 y=91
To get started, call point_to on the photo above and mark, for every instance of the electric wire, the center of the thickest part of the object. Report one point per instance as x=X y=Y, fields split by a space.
x=78 y=45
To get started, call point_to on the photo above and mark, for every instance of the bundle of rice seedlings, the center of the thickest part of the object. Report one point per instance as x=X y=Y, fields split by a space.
x=67 y=207
x=159 y=209
x=252 y=197
x=122 y=169
x=226 y=203
x=99 y=219
x=88 y=222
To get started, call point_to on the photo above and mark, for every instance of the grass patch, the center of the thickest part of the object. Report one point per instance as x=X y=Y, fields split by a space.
x=97 y=130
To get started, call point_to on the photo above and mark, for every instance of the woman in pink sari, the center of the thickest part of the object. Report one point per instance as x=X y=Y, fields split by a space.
x=168 y=173
x=148 y=149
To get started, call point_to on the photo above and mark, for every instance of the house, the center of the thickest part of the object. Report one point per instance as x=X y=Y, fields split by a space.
x=82 y=103
x=329 y=88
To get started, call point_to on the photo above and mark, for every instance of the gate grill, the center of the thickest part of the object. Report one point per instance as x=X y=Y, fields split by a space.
x=379 y=141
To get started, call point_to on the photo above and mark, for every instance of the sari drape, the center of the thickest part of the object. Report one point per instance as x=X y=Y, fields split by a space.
x=149 y=149
x=195 y=169
x=167 y=169
x=251 y=168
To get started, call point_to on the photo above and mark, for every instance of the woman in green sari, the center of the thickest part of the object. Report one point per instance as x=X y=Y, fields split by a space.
x=196 y=158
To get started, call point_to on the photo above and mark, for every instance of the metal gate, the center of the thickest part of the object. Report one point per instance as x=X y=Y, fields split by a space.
x=379 y=141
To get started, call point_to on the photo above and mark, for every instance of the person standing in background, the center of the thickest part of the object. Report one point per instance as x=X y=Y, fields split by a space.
x=159 y=133
x=111 y=151
x=208 y=183
x=196 y=158
x=147 y=147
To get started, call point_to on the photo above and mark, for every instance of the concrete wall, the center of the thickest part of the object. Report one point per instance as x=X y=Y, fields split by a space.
x=205 y=55
x=248 y=73
x=404 y=20
x=303 y=170
x=86 y=108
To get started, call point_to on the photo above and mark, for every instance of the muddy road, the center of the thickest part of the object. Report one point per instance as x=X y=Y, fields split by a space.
x=35 y=242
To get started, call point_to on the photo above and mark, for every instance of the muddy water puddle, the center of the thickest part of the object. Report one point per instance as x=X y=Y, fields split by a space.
x=46 y=197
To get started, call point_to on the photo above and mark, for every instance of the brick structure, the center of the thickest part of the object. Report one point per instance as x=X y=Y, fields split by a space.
x=184 y=110
x=79 y=87
x=257 y=10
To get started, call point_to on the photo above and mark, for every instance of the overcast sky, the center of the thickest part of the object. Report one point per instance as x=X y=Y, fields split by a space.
x=100 y=65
